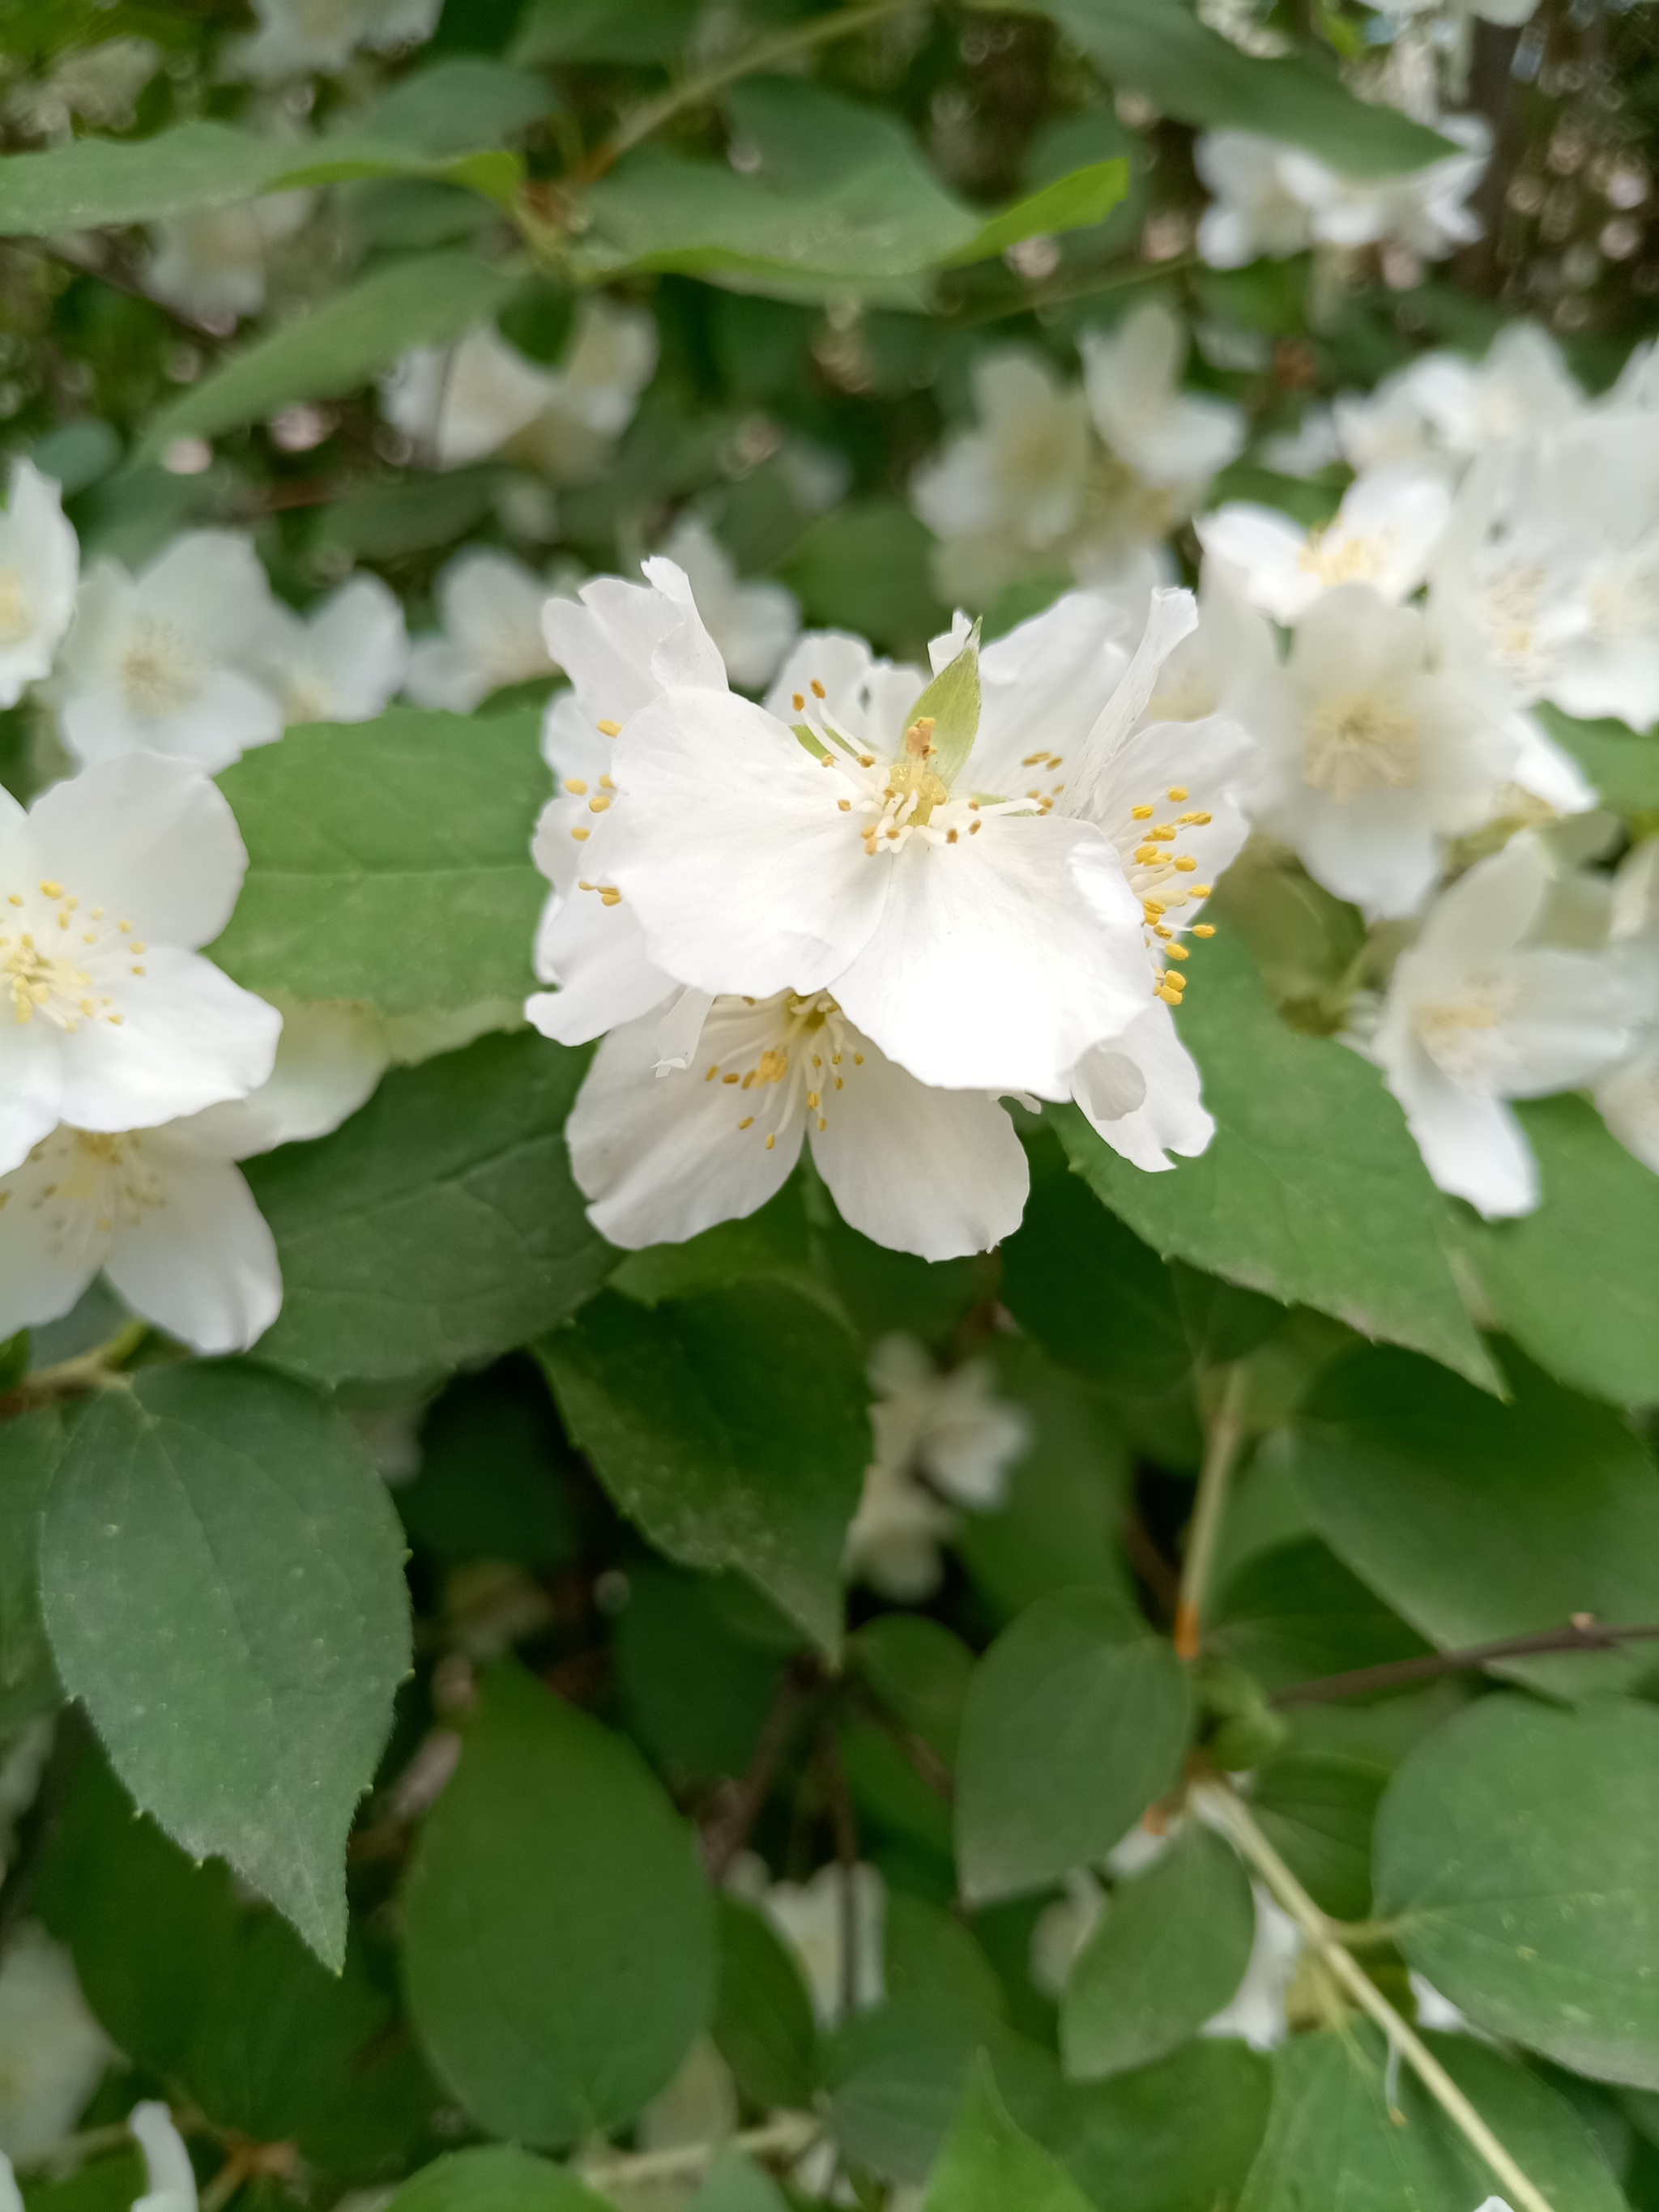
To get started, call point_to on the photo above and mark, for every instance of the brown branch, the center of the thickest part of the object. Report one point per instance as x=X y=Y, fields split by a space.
x=1583 y=1634
x=725 y=1835
x=922 y=1755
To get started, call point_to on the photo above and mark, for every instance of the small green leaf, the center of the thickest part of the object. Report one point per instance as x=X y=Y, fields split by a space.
x=1071 y=1731
x=897 y=2076
x=1318 y=1809
x=1518 y=1849
x=1621 y=762
x=1477 y=1520
x=951 y=703
x=1136 y=2143
x=222 y=1579
x=763 y=2025
x=30 y=1447
x=989 y=2164
x=495 y=2177
x=438 y=1226
x=1168 y=1955
x=425 y=299
x=389 y=860
x=1072 y=203
x=736 y=2183
x=731 y=1427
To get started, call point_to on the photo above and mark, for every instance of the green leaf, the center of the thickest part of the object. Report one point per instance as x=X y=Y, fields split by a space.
x=1621 y=762
x=89 y=182
x=1319 y=1810
x=1598 y=1228
x=1168 y=1955
x=764 y=2026
x=559 y=1941
x=1294 y=1613
x=389 y=860
x=731 y=1427
x=30 y=1446
x=863 y=567
x=1072 y=203
x=898 y=2074
x=451 y=106
x=493 y=2178
x=773 y=1241
x=919 y=1671
x=222 y=1579
x=927 y=1953
x=1311 y=1191
x=1343 y=2131
x=697 y=1693
x=628 y=31
x=1176 y=2136
x=438 y=1226
x=989 y=2164
x=1161 y=49
x=1518 y=1849
x=422 y=300
x=951 y=703
x=1477 y=1520
x=1071 y=1731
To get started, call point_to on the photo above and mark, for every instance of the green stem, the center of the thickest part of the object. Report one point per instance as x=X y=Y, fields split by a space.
x=1223 y=1434
x=787 y=2138
x=88 y=1370
x=1231 y=1813
x=1084 y=286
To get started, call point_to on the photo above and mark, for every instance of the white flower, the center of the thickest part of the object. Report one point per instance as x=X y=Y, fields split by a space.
x=482 y=395
x=1383 y=534
x=39 y=559
x=156 y=663
x=811 y=1917
x=1523 y=389
x=167 y=2162
x=941 y=1440
x=1373 y=757
x=1478 y=1012
x=1172 y=440
x=491 y=608
x=1252 y=210
x=109 y=1018
x=342 y=660
x=297 y=37
x=975 y=934
x=52 y=2051
x=1628 y=1097
x=1062 y=1929
x=1313 y=447
x=1257 y=2012
x=666 y=1151
x=210 y=262
x=753 y=625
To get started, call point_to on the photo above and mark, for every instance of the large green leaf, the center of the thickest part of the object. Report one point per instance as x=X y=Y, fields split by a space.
x=495 y=2177
x=1597 y=1228
x=1517 y=1849
x=424 y=298
x=1160 y=48
x=989 y=2164
x=439 y=1225
x=30 y=1446
x=897 y=2076
x=559 y=1938
x=1477 y=1520
x=1168 y=1955
x=222 y=1579
x=1311 y=1190
x=1295 y=1611
x=389 y=860
x=1319 y=1809
x=1072 y=1729
x=731 y=1427
x=1136 y=2143
x=1621 y=762
x=1073 y=202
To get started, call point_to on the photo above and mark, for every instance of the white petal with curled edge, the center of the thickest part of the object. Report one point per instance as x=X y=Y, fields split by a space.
x=1472 y=1144
x=150 y=841
x=51 y=1242
x=597 y=955
x=188 y=1037
x=662 y=1157
x=167 y=2162
x=939 y=1173
x=1142 y=1093
x=202 y=1264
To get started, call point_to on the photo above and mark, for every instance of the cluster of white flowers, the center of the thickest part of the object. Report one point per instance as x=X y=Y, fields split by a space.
x=1082 y=479
x=1498 y=552
x=857 y=917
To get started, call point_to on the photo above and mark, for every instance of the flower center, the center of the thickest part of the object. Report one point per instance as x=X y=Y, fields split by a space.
x=40 y=955
x=1358 y=742
x=806 y=1050
x=159 y=673
x=1161 y=877
x=1343 y=560
x=1454 y=1032
x=893 y=802
x=101 y=1183
x=16 y=609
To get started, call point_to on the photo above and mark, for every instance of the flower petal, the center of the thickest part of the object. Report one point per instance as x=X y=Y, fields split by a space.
x=202 y=1264
x=146 y=838
x=1471 y=1143
x=186 y=1039
x=1169 y=1114
x=51 y=1245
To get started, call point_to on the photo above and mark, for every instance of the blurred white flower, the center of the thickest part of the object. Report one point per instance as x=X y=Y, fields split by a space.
x=1628 y=1096
x=1313 y=447
x=812 y=1917
x=1172 y=440
x=1062 y=1929
x=109 y=1018
x=490 y=605
x=52 y=2051
x=753 y=625
x=167 y=2162
x=943 y=1440
x=210 y=262
x=1259 y=184
x=1385 y=534
x=296 y=38
x=1373 y=757
x=1252 y=210
x=1256 y=2014
x=342 y=660
x=461 y=403
x=40 y=559
x=1479 y=1012
x=157 y=663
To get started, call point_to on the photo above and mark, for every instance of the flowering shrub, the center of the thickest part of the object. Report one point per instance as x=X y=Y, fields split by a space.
x=828 y=1106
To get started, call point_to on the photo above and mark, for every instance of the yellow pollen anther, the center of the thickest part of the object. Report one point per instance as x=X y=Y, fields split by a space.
x=610 y=895
x=51 y=890
x=1161 y=929
x=812 y=1100
x=1186 y=863
x=1203 y=929
x=581 y=837
x=1200 y=819
x=609 y=729
x=818 y=688
x=577 y=787
x=728 y=1079
x=1179 y=953
x=123 y=926
x=1146 y=854
x=138 y=968
x=770 y=1142
x=712 y=1073
x=605 y=784
x=845 y=804
x=600 y=805
x=950 y=836
x=13 y=899
x=63 y=921
x=1199 y=890
x=798 y=699
x=841 y=1083
x=866 y=760
x=974 y=829
x=823 y=1124
x=1177 y=792
x=747 y=1122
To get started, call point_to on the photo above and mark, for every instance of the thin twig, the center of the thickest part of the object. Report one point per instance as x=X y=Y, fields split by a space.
x=787 y=2138
x=105 y=1363
x=923 y=1759
x=1084 y=286
x=727 y=1834
x=844 y=1821
x=1223 y=1434
x=1583 y=1634
x=73 y=2150
x=1230 y=1813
